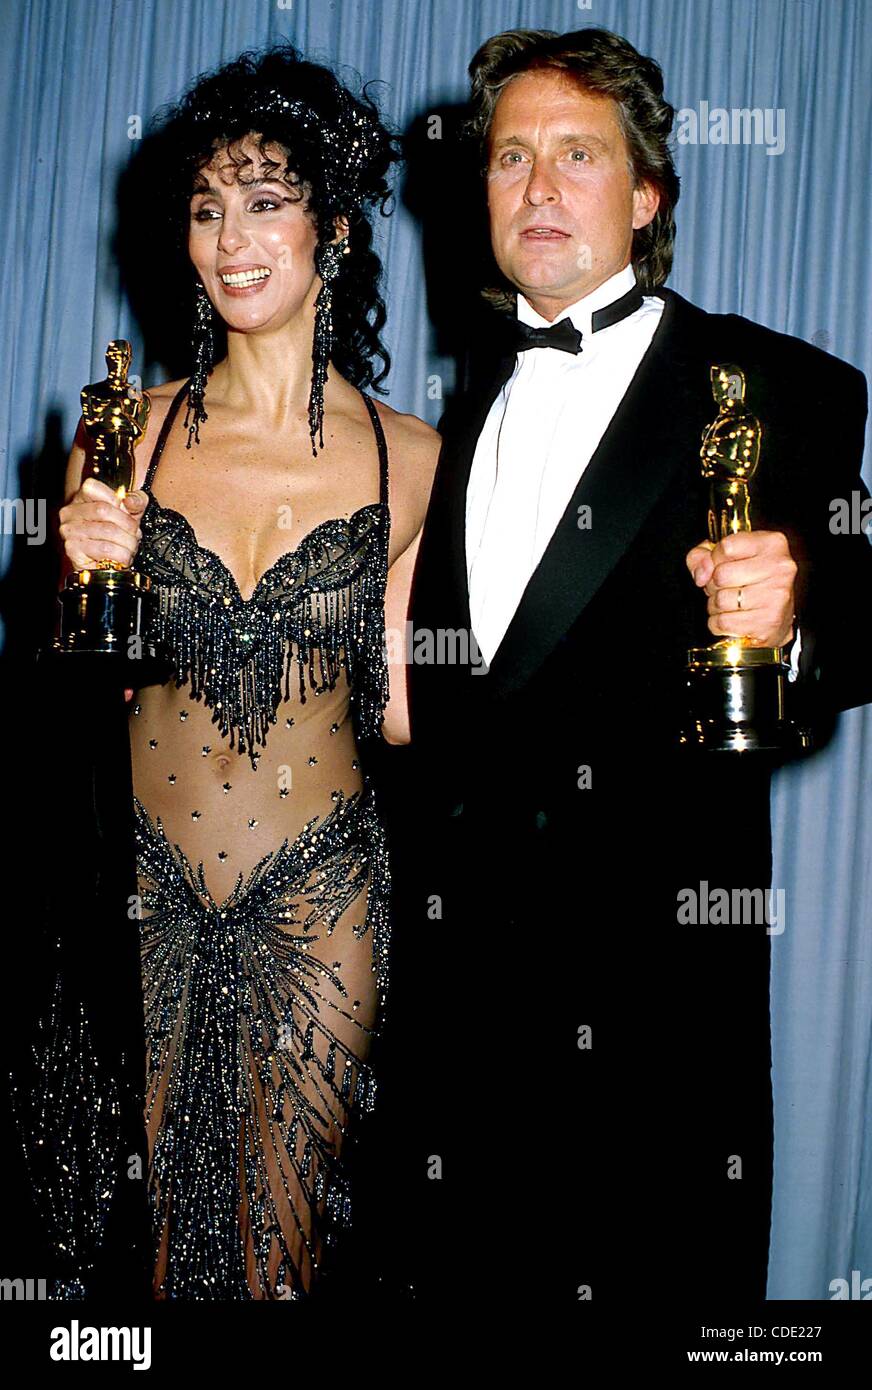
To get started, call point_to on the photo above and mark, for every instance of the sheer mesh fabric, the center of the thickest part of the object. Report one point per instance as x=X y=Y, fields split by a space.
x=263 y=885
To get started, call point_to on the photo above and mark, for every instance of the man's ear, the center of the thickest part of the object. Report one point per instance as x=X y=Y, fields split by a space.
x=646 y=200
x=341 y=225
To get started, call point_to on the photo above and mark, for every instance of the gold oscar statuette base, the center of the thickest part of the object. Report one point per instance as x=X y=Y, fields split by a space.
x=103 y=612
x=736 y=701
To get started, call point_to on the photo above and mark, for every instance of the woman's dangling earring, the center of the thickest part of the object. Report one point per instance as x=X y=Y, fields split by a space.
x=328 y=263
x=202 y=345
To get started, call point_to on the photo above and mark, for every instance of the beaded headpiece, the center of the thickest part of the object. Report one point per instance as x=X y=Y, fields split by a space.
x=344 y=144
x=347 y=142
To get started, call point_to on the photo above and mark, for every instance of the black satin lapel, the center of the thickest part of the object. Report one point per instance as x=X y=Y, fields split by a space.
x=655 y=430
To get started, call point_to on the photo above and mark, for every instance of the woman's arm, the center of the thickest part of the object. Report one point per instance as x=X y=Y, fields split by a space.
x=414 y=448
x=398 y=595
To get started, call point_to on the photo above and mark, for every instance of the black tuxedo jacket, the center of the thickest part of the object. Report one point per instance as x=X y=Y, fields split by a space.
x=555 y=823
x=599 y=640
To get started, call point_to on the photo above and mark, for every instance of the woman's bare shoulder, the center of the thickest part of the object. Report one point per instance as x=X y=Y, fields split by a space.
x=413 y=452
x=161 y=397
x=165 y=390
x=406 y=428
x=413 y=445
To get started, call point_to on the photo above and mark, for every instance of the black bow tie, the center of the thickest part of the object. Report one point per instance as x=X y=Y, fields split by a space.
x=560 y=335
x=564 y=336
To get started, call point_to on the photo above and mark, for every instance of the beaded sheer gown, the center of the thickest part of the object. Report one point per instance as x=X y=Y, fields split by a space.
x=263 y=884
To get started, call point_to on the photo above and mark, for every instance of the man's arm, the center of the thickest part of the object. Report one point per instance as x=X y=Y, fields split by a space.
x=834 y=579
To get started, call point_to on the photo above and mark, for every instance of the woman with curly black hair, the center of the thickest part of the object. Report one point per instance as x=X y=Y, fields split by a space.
x=274 y=534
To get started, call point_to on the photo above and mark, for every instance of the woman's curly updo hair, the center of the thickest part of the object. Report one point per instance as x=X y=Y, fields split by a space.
x=604 y=64
x=337 y=154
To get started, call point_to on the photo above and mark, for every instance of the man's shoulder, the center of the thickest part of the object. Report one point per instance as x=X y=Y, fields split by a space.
x=732 y=337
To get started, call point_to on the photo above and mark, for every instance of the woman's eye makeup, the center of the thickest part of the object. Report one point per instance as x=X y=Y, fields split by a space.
x=265 y=201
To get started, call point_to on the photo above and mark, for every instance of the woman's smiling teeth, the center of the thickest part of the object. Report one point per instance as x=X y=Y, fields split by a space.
x=245 y=277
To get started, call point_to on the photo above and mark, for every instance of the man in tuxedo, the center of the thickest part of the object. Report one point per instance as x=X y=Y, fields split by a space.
x=579 y=1062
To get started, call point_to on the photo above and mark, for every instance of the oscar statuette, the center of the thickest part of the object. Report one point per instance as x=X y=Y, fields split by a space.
x=735 y=690
x=103 y=608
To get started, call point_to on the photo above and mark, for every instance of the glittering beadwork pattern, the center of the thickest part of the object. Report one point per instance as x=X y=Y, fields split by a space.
x=313 y=609
x=253 y=1067
x=68 y=1120
x=260 y=1001
x=321 y=604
